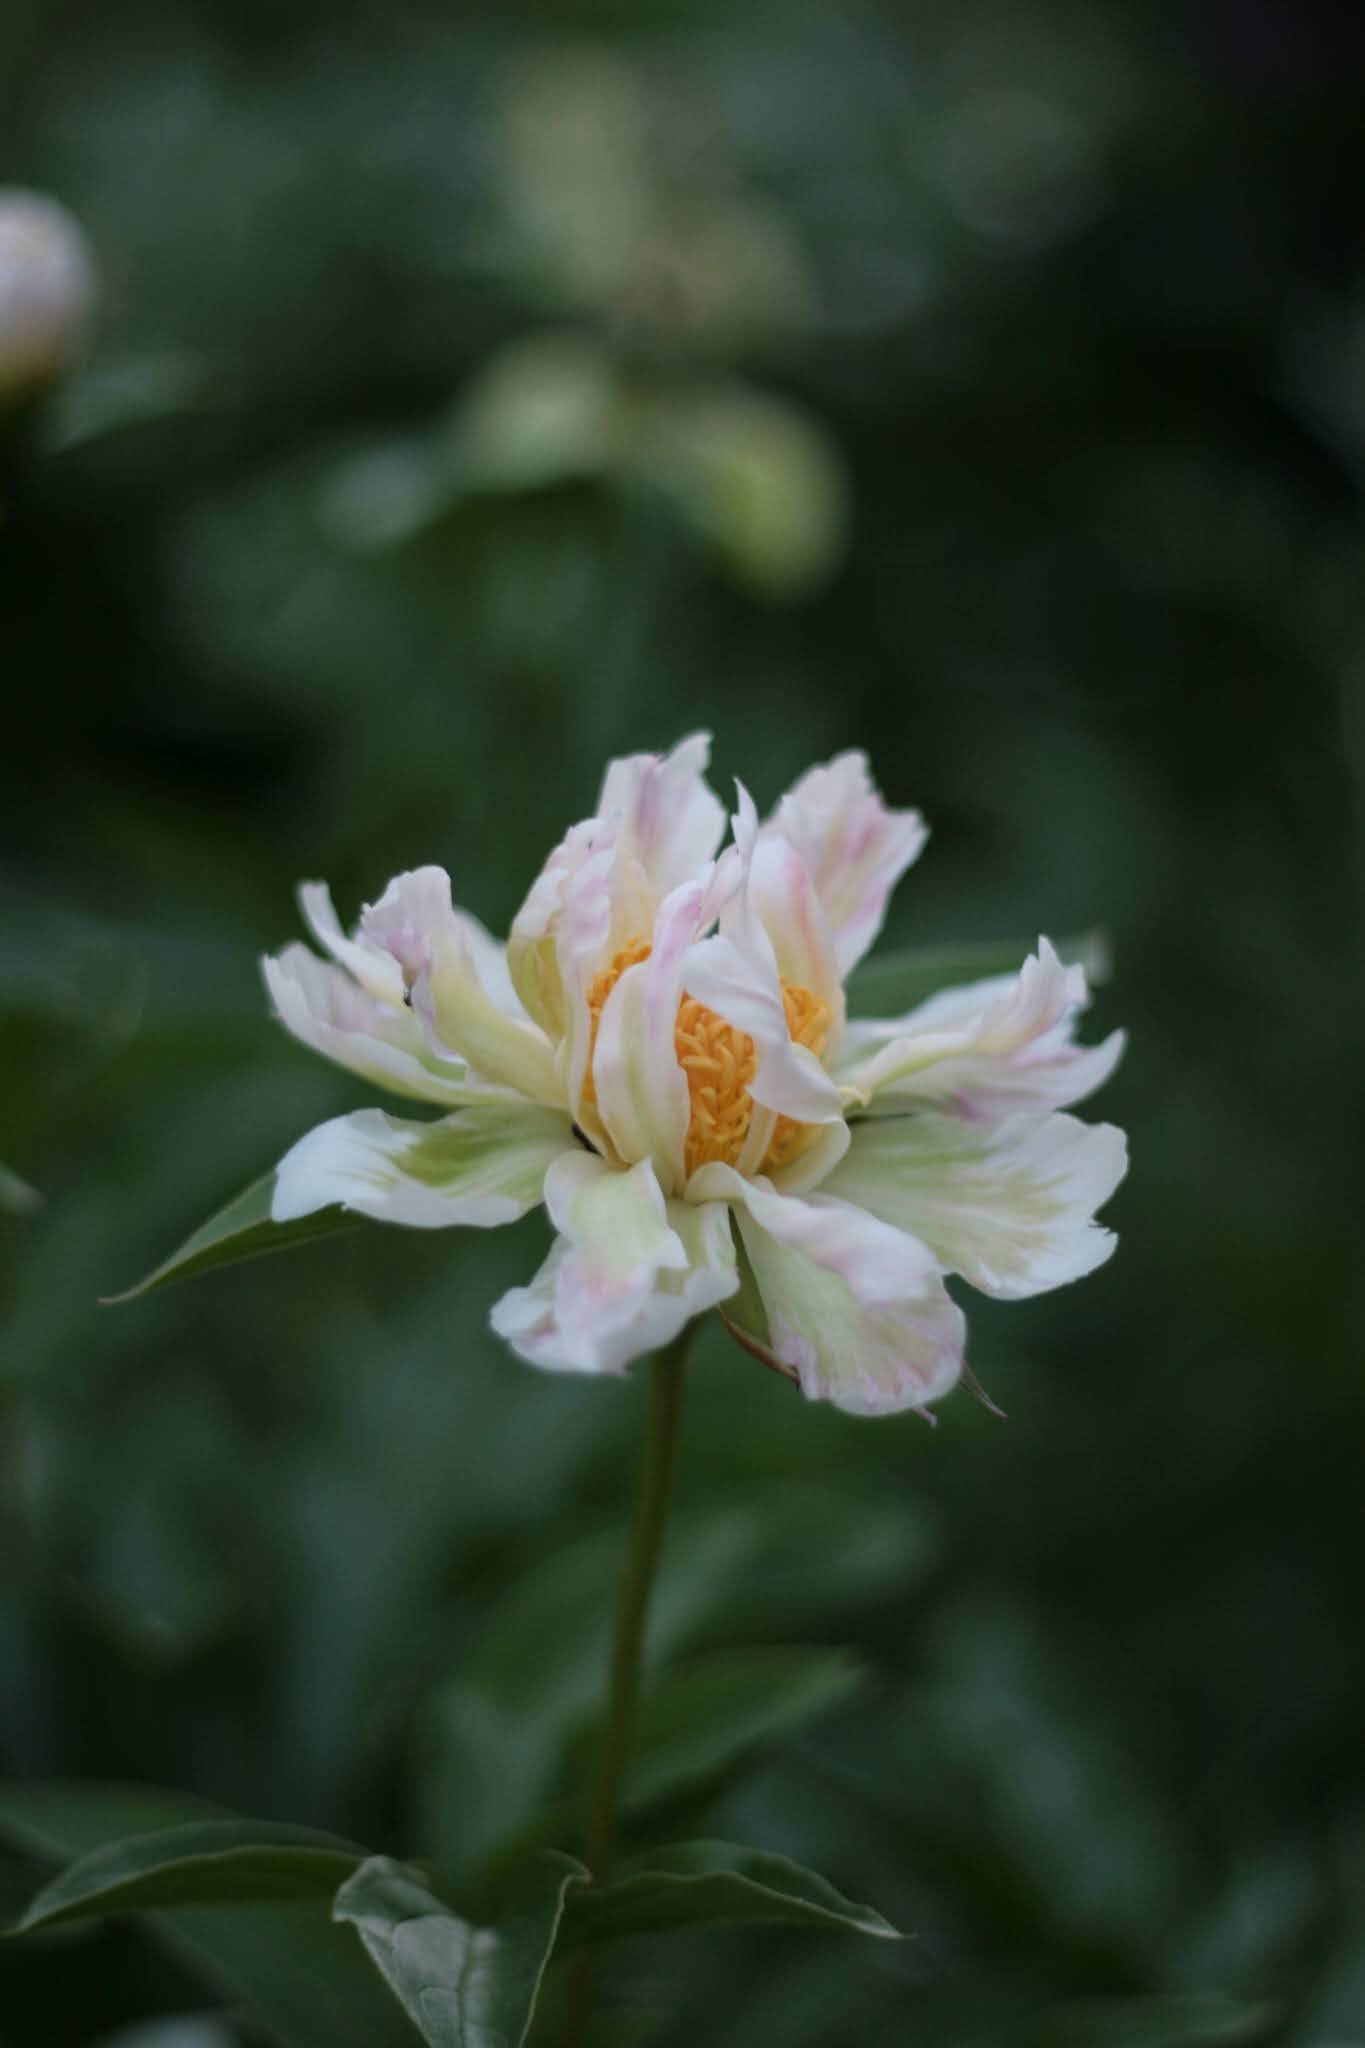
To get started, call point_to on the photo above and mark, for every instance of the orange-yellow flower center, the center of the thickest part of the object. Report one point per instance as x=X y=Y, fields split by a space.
x=719 y=1063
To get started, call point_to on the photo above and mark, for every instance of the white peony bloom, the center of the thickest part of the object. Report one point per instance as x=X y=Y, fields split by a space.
x=661 y=1056
x=47 y=290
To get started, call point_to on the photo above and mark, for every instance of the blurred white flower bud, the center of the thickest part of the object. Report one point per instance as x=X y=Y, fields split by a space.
x=47 y=290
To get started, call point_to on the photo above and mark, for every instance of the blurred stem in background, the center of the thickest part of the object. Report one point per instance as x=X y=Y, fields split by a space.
x=658 y=1457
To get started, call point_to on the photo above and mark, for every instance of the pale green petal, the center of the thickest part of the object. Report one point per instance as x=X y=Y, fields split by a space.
x=1008 y=1206
x=484 y=1165
x=462 y=1014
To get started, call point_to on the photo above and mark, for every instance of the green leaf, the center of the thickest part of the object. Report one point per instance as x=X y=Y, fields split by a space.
x=694 y=1884
x=206 y=1863
x=892 y=983
x=461 y=1986
x=283 y=1960
x=704 y=1716
x=242 y=1230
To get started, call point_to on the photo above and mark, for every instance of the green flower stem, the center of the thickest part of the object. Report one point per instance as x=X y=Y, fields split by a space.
x=657 y=1459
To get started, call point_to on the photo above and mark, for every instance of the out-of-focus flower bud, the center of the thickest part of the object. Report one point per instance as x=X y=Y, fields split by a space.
x=47 y=291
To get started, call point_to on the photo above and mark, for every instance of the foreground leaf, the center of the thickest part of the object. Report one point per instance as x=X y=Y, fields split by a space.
x=207 y=1863
x=283 y=1961
x=695 y=1884
x=893 y=982
x=462 y=1986
x=242 y=1230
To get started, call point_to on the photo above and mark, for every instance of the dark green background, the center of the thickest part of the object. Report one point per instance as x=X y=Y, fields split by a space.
x=1081 y=322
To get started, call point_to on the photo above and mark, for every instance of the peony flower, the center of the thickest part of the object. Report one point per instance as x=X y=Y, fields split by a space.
x=661 y=1055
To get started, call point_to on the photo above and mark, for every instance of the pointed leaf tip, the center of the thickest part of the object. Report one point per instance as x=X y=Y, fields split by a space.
x=242 y=1229
x=707 y=1883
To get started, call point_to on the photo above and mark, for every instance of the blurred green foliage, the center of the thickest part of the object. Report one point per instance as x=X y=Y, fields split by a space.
x=982 y=386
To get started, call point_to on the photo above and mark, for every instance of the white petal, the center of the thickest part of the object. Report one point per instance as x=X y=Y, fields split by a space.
x=984 y=1051
x=855 y=848
x=641 y=1089
x=736 y=975
x=590 y=901
x=664 y=811
x=627 y=1272
x=855 y=1308
x=485 y=1165
x=323 y=1008
x=1008 y=1206
x=812 y=1167
x=746 y=991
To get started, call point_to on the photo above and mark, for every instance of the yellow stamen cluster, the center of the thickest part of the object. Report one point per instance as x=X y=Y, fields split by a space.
x=719 y=1063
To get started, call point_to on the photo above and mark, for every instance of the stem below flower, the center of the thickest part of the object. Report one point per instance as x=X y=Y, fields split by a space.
x=657 y=1459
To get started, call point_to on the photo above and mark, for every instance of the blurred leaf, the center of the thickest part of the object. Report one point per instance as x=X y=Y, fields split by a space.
x=758 y=478
x=241 y=1230
x=541 y=412
x=207 y=1863
x=495 y=1736
x=183 y=2030
x=54 y=1822
x=693 y=1884
x=114 y=399
x=700 y=1718
x=499 y=1744
x=17 y=1198
x=284 y=1961
x=890 y=983
x=1156 y=2023
x=461 y=1986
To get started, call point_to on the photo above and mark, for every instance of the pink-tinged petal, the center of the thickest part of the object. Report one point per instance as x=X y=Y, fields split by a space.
x=582 y=856
x=483 y=1166
x=736 y=974
x=664 y=812
x=784 y=900
x=409 y=921
x=375 y=969
x=321 y=1006
x=855 y=849
x=986 y=1051
x=856 y=1309
x=628 y=1270
x=1009 y=1206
